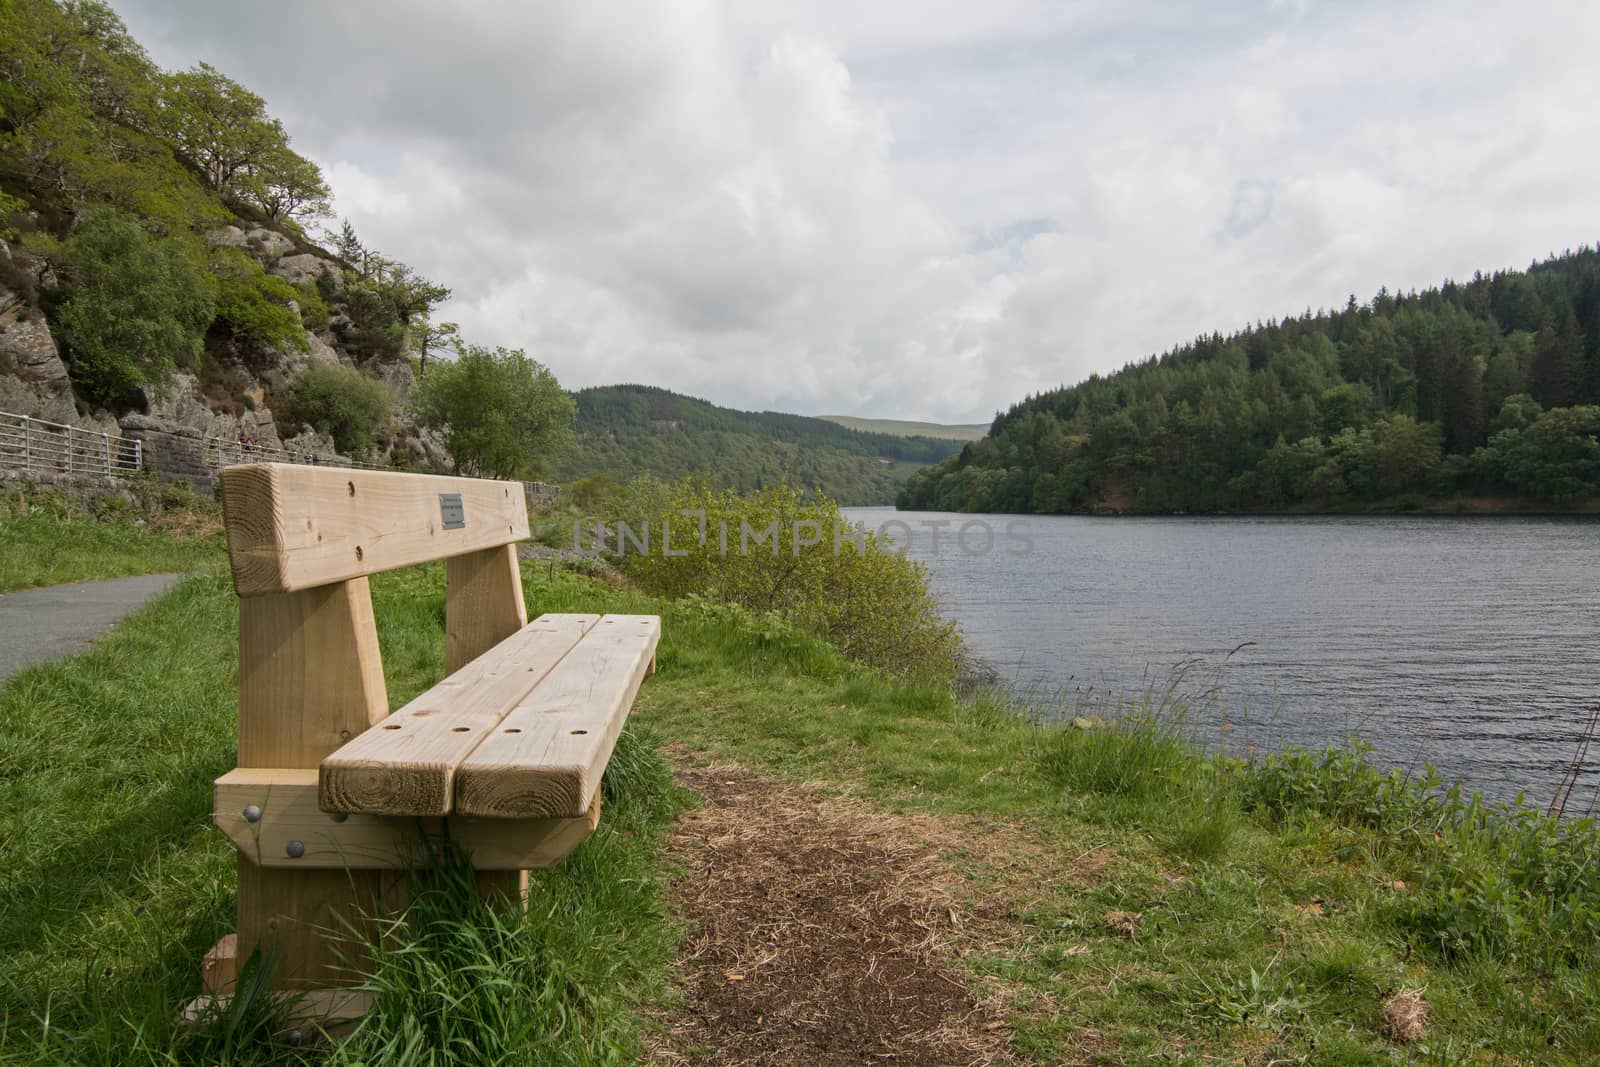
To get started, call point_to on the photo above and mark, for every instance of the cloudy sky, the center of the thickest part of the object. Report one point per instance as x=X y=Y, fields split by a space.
x=917 y=209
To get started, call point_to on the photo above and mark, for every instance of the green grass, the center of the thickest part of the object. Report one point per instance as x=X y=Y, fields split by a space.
x=48 y=540
x=1281 y=903
x=1276 y=916
x=115 y=883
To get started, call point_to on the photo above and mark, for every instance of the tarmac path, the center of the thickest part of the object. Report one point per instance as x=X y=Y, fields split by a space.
x=37 y=625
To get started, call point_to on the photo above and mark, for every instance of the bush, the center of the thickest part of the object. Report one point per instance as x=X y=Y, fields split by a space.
x=341 y=402
x=1341 y=784
x=593 y=491
x=314 y=313
x=139 y=310
x=254 y=306
x=795 y=557
x=500 y=412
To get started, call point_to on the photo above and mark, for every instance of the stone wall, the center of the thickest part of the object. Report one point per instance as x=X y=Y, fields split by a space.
x=541 y=495
x=84 y=488
x=172 y=450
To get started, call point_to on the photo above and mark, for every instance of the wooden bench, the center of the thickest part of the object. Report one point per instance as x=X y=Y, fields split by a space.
x=335 y=801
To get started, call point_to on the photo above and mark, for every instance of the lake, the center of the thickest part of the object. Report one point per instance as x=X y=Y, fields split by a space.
x=1469 y=643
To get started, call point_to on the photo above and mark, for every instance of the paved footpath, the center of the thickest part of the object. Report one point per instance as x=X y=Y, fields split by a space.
x=42 y=624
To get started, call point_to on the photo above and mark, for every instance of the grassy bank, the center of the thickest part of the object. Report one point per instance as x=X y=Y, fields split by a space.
x=1146 y=903
x=48 y=539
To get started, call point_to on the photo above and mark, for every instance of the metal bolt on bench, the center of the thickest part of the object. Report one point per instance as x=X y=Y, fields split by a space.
x=504 y=756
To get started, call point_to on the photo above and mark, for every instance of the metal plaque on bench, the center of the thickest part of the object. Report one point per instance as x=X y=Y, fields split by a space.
x=452 y=511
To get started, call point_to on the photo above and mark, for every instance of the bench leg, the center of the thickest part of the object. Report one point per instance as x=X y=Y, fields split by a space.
x=510 y=886
x=483 y=603
x=310 y=678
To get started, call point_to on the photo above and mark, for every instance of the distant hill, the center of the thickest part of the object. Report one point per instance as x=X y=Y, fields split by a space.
x=904 y=428
x=632 y=430
x=1483 y=393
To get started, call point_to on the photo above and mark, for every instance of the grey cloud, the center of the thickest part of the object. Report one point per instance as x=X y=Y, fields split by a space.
x=922 y=209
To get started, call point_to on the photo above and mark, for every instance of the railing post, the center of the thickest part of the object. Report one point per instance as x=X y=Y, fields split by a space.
x=27 y=454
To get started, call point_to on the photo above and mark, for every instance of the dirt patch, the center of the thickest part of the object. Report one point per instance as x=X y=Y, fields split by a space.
x=825 y=933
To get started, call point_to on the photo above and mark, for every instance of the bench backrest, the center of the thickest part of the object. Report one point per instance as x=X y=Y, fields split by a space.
x=292 y=528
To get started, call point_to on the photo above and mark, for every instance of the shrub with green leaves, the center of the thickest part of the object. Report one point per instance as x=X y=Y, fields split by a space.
x=341 y=402
x=501 y=412
x=256 y=307
x=139 y=309
x=314 y=313
x=798 y=558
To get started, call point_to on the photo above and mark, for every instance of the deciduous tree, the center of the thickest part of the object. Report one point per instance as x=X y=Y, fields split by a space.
x=140 y=308
x=501 y=412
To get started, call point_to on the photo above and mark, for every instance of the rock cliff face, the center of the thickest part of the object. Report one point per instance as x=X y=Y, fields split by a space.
x=305 y=267
x=33 y=380
x=232 y=402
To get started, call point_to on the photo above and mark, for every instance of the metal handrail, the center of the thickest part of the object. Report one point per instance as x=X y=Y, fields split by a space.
x=52 y=447
x=220 y=452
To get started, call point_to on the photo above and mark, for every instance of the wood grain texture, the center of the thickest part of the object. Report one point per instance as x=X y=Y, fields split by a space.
x=546 y=757
x=483 y=603
x=219 y=968
x=407 y=765
x=330 y=1010
x=310 y=678
x=286 y=799
x=310 y=674
x=291 y=527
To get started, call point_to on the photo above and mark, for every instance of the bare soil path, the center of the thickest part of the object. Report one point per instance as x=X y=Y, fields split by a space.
x=826 y=933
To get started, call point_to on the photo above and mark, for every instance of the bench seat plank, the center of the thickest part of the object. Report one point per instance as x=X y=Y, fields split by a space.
x=546 y=756
x=288 y=830
x=405 y=764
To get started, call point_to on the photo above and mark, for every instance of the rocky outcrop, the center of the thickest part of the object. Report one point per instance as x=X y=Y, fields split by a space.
x=180 y=406
x=310 y=442
x=226 y=237
x=264 y=243
x=188 y=428
x=399 y=377
x=287 y=366
x=33 y=380
x=183 y=439
x=305 y=267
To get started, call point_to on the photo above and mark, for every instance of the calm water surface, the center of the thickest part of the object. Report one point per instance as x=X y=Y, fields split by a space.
x=1472 y=642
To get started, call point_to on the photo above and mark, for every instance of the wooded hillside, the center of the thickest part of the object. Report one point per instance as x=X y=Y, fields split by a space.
x=1487 y=388
x=631 y=430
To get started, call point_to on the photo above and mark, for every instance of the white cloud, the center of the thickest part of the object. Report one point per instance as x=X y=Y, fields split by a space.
x=923 y=209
